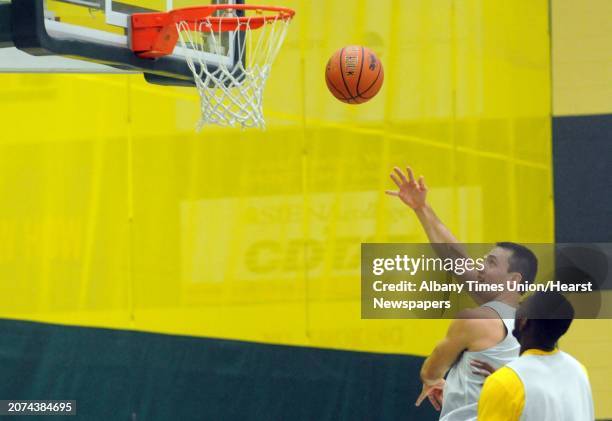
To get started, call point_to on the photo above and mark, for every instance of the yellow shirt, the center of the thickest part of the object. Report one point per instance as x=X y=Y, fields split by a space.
x=503 y=395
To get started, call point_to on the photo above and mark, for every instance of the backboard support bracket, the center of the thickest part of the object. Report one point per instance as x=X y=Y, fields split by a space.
x=23 y=25
x=6 y=33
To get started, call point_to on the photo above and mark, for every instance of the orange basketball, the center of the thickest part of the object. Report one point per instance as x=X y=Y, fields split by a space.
x=354 y=74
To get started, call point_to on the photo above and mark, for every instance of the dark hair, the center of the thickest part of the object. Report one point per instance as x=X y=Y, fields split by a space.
x=551 y=315
x=522 y=261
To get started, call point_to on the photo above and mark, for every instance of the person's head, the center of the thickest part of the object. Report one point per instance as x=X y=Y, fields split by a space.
x=542 y=319
x=508 y=263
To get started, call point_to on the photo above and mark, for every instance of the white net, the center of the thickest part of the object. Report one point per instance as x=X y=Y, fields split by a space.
x=231 y=94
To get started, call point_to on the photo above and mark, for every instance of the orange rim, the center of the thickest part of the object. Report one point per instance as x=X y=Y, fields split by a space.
x=199 y=13
x=155 y=34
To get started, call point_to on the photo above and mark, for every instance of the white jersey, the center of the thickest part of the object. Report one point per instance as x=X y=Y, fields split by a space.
x=463 y=387
x=556 y=388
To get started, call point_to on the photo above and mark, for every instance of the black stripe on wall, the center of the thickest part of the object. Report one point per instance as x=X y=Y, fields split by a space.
x=582 y=156
x=124 y=375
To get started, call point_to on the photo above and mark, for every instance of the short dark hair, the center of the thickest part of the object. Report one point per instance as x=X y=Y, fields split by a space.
x=523 y=261
x=551 y=315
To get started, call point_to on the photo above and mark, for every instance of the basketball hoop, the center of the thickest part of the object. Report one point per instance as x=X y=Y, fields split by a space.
x=231 y=93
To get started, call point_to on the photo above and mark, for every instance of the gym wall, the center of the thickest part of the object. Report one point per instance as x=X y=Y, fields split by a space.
x=118 y=216
x=582 y=122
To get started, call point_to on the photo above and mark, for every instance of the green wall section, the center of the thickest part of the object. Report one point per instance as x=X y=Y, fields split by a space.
x=126 y=375
x=582 y=154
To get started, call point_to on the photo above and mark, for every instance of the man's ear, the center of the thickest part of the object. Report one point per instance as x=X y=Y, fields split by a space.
x=515 y=278
x=524 y=324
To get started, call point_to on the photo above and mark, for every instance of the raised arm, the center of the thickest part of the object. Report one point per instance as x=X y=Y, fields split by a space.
x=413 y=193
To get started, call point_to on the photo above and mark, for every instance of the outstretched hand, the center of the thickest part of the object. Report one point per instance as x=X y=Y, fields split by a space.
x=413 y=193
x=435 y=394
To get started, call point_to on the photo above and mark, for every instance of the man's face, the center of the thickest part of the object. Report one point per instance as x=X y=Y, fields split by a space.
x=496 y=267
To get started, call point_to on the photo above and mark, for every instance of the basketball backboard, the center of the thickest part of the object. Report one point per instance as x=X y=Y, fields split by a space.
x=96 y=34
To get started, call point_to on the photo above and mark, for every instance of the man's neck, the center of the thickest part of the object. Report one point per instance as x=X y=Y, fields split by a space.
x=511 y=298
x=531 y=344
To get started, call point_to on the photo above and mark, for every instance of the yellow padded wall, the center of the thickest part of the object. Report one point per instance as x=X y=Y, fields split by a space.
x=582 y=63
x=117 y=214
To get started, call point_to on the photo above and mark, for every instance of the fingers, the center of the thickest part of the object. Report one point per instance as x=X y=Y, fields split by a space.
x=410 y=175
x=438 y=397
x=392 y=193
x=396 y=181
x=399 y=178
x=482 y=368
x=482 y=365
x=400 y=174
x=434 y=402
x=422 y=185
x=421 y=397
